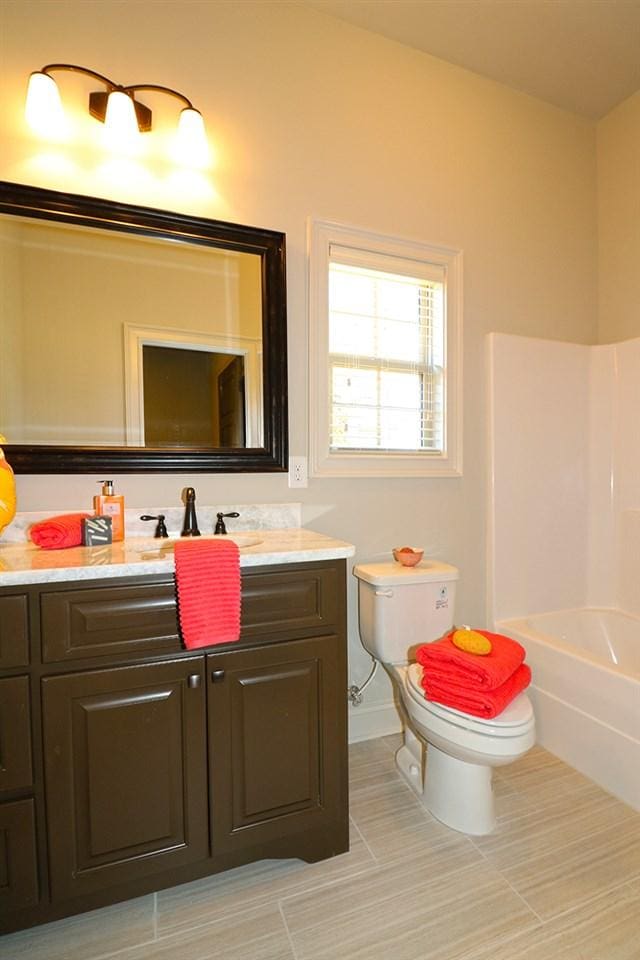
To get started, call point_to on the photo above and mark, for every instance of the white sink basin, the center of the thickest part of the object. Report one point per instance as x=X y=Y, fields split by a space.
x=155 y=548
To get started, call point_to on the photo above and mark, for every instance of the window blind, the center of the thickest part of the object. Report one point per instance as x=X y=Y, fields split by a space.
x=386 y=353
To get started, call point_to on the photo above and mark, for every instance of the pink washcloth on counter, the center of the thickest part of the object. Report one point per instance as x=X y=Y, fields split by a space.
x=58 y=532
x=458 y=670
x=479 y=703
x=208 y=585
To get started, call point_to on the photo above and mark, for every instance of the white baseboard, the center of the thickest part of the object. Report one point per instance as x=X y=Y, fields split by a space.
x=365 y=723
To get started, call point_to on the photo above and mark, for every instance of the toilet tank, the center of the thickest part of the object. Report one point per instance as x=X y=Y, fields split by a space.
x=401 y=607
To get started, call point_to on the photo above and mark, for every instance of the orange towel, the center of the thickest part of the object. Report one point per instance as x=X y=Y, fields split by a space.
x=58 y=532
x=456 y=669
x=479 y=703
x=208 y=586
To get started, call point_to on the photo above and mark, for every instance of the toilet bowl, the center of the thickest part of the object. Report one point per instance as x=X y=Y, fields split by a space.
x=447 y=756
x=456 y=786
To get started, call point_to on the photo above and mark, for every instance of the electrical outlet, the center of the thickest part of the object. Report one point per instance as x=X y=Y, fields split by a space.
x=298 y=472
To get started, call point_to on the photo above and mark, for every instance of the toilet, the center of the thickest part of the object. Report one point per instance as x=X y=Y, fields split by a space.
x=447 y=757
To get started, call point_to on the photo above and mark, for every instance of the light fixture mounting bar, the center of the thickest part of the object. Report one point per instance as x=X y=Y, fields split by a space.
x=76 y=69
x=132 y=88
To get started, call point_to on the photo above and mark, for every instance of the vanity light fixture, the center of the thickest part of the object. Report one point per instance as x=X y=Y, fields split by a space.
x=116 y=106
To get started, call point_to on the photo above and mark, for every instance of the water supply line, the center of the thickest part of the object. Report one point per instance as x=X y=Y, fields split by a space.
x=354 y=692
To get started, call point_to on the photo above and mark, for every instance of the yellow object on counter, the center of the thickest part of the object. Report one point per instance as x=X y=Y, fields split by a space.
x=472 y=642
x=7 y=491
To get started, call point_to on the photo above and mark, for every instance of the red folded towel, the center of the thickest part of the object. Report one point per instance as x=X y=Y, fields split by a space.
x=479 y=703
x=58 y=532
x=208 y=584
x=448 y=666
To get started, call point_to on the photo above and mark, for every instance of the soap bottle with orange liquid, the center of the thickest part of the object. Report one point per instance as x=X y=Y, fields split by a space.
x=109 y=504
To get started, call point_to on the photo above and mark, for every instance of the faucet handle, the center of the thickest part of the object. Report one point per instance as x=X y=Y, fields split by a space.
x=220 y=526
x=161 y=530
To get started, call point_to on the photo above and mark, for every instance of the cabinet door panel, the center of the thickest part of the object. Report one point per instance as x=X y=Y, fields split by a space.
x=125 y=764
x=15 y=734
x=14 y=632
x=281 y=770
x=277 y=767
x=18 y=862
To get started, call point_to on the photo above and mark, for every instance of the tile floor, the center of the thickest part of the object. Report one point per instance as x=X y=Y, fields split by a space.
x=558 y=880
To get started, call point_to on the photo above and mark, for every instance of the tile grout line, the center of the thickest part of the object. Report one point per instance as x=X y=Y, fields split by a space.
x=360 y=834
x=294 y=953
x=381 y=865
x=575 y=844
x=544 y=831
x=507 y=881
x=155 y=916
x=521 y=897
x=163 y=937
x=600 y=895
x=576 y=906
x=502 y=941
x=135 y=946
x=328 y=883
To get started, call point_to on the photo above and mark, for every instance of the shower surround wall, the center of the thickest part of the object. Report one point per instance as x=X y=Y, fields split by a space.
x=564 y=535
x=564 y=491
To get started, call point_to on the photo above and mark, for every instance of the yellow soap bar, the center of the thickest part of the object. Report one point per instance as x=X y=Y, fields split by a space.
x=472 y=642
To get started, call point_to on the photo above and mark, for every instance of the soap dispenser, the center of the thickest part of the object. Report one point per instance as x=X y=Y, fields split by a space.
x=109 y=504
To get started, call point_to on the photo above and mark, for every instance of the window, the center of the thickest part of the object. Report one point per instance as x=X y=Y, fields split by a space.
x=384 y=364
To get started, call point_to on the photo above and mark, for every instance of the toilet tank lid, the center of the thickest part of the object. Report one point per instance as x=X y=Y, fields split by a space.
x=394 y=574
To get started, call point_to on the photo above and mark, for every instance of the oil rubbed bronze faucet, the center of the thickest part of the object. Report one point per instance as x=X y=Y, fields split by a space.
x=190 y=525
x=220 y=527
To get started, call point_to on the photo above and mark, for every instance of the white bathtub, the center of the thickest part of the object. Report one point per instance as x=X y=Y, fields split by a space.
x=586 y=691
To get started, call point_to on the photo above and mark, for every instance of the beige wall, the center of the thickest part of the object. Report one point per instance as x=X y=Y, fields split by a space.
x=619 y=222
x=312 y=117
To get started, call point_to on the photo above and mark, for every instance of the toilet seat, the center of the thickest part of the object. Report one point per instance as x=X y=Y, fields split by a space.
x=514 y=720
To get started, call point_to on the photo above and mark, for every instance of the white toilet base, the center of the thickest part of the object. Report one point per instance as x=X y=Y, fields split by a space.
x=410 y=763
x=458 y=793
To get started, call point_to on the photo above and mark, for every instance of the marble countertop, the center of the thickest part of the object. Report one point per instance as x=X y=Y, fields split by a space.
x=23 y=563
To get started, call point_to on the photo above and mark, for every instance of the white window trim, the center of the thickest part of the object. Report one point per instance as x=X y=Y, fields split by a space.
x=325 y=462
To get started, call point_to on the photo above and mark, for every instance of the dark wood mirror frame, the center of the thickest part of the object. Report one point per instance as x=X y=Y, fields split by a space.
x=26 y=201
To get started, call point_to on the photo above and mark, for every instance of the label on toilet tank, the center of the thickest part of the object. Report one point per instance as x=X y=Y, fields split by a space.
x=442 y=600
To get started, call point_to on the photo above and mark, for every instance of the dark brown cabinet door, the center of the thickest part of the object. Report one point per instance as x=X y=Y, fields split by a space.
x=14 y=632
x=18 y=865
x=125 y=766
x=15 y=734
x=277 y=755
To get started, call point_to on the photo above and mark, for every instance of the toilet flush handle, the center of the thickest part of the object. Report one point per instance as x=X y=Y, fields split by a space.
x=383 y=593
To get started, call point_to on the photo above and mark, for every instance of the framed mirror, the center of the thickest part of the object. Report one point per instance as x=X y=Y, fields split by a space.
x=136 y=340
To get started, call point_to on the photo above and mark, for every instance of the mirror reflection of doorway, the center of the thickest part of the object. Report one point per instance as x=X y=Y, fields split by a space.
x=231 y=417
x=193 y=398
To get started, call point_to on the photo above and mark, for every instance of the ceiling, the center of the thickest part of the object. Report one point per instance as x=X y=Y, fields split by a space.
x=581 y=55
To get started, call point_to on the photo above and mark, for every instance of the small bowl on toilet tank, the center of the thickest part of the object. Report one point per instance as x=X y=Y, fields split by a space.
x=408 y=556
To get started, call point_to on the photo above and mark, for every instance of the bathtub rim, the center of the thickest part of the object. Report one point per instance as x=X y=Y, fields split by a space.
x=520 y=625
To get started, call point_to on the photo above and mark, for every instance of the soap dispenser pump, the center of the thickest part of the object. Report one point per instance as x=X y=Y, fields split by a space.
x=109 y=504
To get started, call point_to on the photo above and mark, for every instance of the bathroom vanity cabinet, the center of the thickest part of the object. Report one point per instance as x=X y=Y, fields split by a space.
x=128 y=764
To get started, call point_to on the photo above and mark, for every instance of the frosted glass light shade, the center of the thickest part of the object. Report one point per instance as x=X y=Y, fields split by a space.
x=192 y=146
x=120 y=124
x=43 y=108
